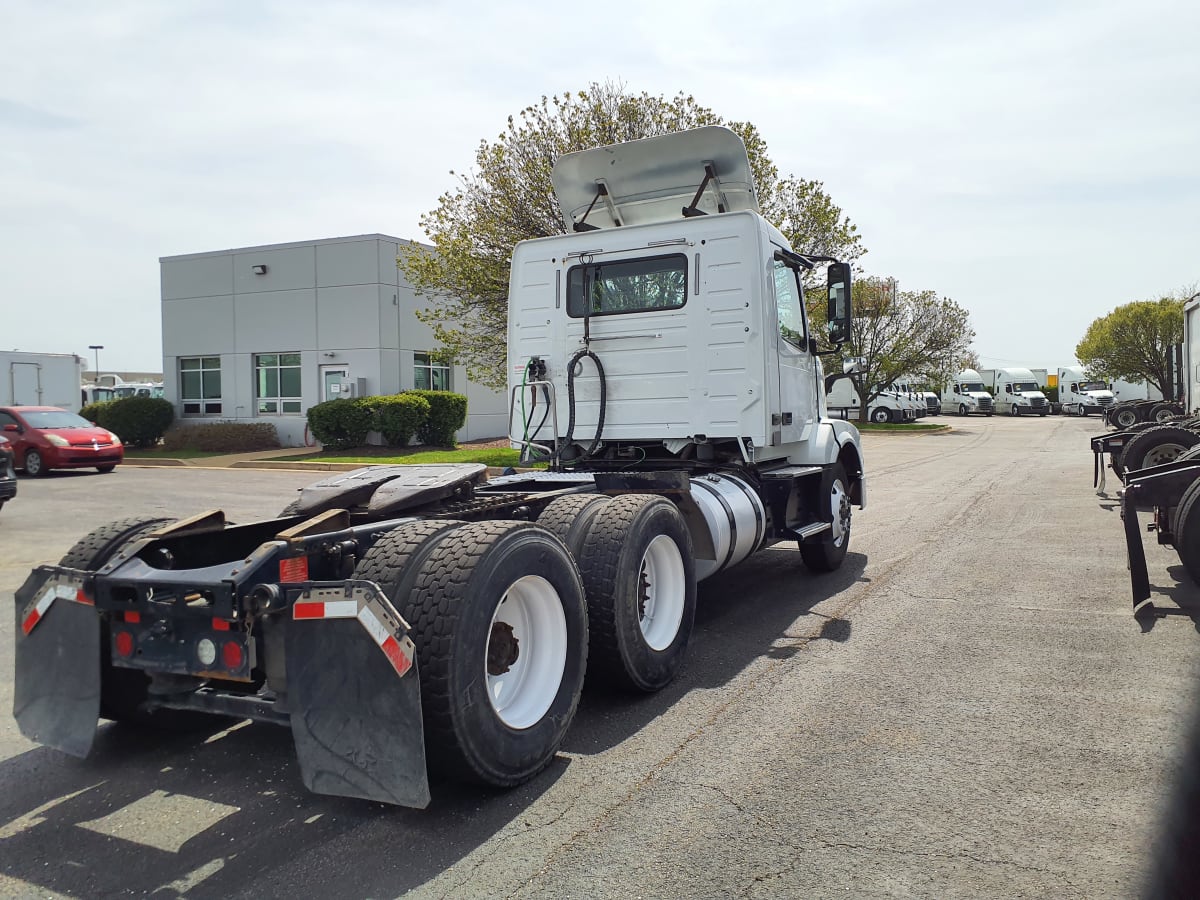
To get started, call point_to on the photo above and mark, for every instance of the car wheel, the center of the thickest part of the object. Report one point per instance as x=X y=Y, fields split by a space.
x=34 y=465
x=104 y=470
x=879 y=415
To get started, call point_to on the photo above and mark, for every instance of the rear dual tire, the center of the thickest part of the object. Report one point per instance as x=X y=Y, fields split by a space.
x=499 y=623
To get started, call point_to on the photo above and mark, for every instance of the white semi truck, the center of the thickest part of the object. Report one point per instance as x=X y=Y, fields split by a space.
x=41 y=379
x=1080 y=395
x=1018 y=393
x=967 y=394
x=888 y=405
x=661 y=361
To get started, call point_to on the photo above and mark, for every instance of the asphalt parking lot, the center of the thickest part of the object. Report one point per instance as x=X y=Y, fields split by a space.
x=967 y=708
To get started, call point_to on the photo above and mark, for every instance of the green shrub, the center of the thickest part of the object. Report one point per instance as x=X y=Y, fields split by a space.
x=398 y=417
x=94 y=412
x=222 y=437
x=342 y=424
x=140 y=421
x=447 y=414
x=1051 y=394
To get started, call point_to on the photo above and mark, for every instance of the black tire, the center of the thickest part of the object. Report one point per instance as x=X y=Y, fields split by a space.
x=34 y=464
x=122 y=691
x=1156 y=445
x=962 y=409
x=880 y=415
x=988 y=414
x=458 y=591
x=1186 y=531
x=623 y=575
x=1125 y=418
x=1161 y=412
x=828 y=551
x=394 y=561
x=1043 y=412
x=104 y=470
x=569 y=518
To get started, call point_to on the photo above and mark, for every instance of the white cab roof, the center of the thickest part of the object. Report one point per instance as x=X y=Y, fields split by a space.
x=654 y=179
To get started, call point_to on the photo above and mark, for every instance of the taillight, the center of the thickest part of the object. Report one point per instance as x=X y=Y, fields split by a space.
x=124 y=644
x=231 y=655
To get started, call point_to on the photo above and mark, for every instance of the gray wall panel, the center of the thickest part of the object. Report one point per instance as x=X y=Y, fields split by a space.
x=281 y=321
x=288 y=269
x=209 y=276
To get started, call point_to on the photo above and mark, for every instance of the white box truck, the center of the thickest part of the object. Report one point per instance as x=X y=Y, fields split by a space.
x=967 y=394
x=1018 y=393
x=41 y=379
x=1080 y=395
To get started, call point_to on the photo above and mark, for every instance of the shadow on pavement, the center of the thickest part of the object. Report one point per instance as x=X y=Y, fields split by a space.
x=246 y=826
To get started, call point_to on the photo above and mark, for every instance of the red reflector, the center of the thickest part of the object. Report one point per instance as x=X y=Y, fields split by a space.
x=294 y=569
x=124 y=642
x=81 y=597
x=220 y=625
x=30 y=621
x=400 y=662
x=133 y=618
x=308 y=611
x=231 y=655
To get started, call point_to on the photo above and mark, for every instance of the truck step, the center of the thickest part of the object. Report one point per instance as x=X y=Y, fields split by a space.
x=809 y=530
x=790 y=472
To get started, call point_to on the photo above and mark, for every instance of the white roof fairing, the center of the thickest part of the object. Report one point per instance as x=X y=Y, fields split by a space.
x=654 y=179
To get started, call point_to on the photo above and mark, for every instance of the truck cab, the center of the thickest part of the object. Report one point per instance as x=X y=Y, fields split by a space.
x=966 y=395
x=1080 y=395
x=1017 y=393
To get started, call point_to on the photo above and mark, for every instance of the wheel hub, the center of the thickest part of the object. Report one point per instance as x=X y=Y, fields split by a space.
x=503 y=649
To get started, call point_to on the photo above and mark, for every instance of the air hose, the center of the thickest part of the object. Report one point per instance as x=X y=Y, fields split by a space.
x=569 y=437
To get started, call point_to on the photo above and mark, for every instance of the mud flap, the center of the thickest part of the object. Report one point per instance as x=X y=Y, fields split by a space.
x=1139 y=577
x=356 y=717
x=56 y=700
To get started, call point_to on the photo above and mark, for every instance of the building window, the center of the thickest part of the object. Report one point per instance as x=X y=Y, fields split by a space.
x=277 y=383
x=429 y=374
x=200 y=385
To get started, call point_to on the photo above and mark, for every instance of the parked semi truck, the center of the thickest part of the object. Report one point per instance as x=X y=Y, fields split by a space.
x=967 y=394
x=888 y=405
x=1017 y=392
x=1080 y=395
x=405 y=618
x=40 y=379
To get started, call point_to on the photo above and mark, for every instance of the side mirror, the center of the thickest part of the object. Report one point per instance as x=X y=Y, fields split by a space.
x=11 y=427
x=838 y=306
x=853 y=365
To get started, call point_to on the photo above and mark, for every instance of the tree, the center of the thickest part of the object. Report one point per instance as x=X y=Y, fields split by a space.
x=1135 y=342
x=508 y=197
x=905 y=333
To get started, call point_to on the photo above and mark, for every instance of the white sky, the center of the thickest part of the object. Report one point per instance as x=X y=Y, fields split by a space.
x=1037 y=162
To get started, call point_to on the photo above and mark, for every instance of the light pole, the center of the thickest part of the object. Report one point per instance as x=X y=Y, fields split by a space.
x=96 y=348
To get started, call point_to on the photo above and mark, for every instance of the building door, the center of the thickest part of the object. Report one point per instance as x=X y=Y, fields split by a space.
x=335 y=382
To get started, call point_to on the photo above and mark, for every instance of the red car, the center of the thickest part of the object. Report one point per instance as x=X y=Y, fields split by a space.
x=46 y=437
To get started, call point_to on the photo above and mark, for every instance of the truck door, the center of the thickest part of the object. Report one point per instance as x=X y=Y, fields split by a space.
x=797 y=410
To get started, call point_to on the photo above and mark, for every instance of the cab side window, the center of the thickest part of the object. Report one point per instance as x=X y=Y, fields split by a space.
x=788 y=307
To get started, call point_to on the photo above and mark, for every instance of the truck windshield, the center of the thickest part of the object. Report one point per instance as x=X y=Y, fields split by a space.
x=1025 y=386
x=1093 y=386
x=973 y=387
